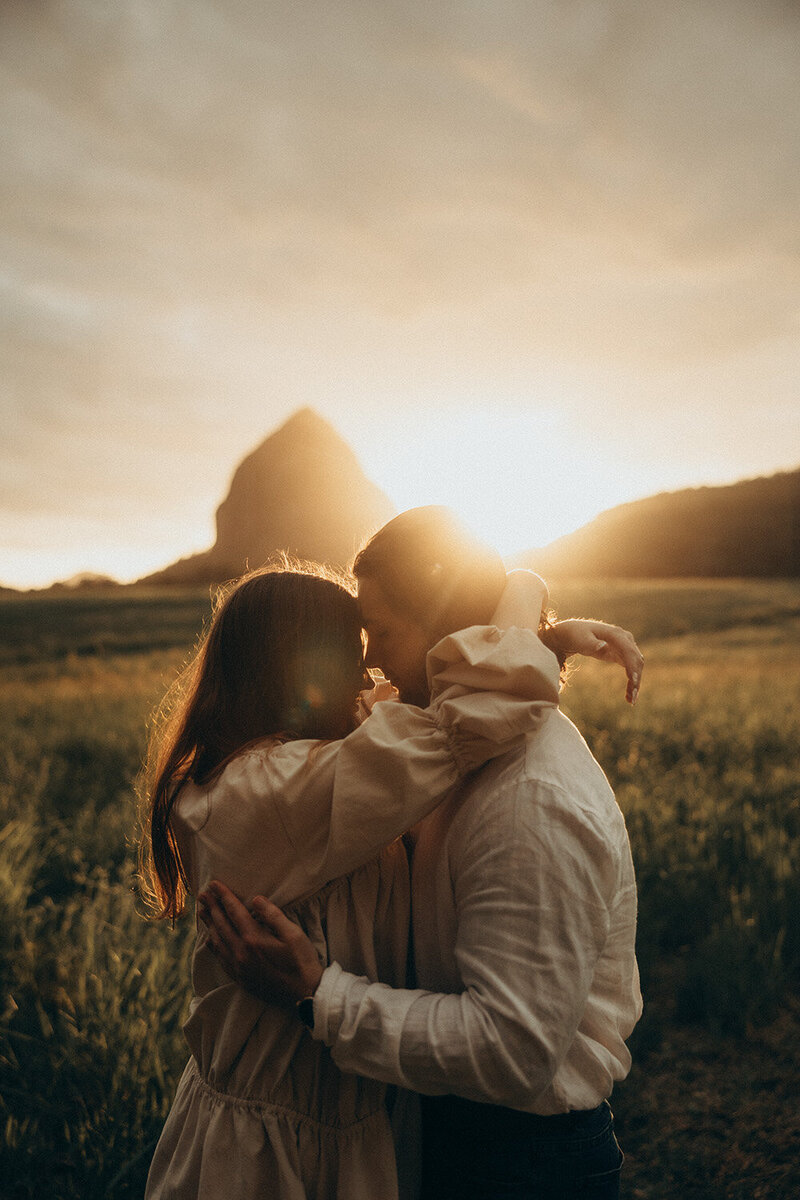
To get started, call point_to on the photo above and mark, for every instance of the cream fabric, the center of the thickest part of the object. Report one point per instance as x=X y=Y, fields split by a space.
x=262 y=1110
x=524 y=914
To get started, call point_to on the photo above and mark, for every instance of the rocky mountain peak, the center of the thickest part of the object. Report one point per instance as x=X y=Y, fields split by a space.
x=302 y=490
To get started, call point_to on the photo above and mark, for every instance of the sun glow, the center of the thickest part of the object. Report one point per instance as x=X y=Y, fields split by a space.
x=518 y=479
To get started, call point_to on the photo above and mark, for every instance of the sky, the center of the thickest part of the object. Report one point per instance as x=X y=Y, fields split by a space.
x=531 y=259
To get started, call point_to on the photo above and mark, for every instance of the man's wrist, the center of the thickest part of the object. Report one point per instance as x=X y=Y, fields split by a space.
x=311 y=979
x=305 y=1011
x=304 y=1005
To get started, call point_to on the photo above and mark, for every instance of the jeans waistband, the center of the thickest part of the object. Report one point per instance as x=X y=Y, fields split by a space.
x=487 y=1117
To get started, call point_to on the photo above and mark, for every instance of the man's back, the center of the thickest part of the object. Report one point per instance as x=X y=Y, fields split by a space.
x=524 y=893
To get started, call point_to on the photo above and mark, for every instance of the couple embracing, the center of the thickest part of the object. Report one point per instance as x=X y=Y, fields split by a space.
x=441 y=1014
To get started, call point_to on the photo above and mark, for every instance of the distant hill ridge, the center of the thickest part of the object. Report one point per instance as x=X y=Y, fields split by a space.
x=750 y=528
x=301 y=490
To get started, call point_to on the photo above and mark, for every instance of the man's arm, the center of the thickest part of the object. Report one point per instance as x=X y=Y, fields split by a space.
x=532 y=898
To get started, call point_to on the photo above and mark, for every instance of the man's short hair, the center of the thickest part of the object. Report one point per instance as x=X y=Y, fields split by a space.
x=433 y=569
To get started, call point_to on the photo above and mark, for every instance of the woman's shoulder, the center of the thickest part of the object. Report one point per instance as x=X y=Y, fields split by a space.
x=243 y=774
x=272 y=755
x=268 y=767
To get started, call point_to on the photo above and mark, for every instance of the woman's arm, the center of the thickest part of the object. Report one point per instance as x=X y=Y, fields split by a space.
x=596 y=639
x=525 y=590
x=285 y=820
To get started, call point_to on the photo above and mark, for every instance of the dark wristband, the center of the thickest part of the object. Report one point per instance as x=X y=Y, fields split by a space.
x=305 y=1011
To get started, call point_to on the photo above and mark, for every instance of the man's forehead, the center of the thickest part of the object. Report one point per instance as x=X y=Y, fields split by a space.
x=372 y=603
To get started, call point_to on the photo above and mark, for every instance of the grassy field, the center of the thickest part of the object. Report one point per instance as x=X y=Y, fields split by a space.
x=705 y=768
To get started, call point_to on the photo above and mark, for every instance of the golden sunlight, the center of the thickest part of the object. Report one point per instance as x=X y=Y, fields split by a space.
x=518 y=479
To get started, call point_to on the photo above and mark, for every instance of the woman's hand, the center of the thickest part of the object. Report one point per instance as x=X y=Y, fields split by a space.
x=261 y=949
x=381 y=691
x=595 y=639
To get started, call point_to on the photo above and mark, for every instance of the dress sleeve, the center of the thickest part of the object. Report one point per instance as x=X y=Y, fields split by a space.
x=532 y=907
x=287 y=819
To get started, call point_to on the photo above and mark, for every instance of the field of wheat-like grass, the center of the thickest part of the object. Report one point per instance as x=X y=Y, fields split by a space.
x=705 y=768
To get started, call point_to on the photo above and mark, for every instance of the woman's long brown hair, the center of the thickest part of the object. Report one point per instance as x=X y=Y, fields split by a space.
x=282 y=658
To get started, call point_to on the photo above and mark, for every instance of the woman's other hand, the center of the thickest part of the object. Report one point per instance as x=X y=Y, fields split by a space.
x=260 y=948
x=595 y=639
x=380 y=691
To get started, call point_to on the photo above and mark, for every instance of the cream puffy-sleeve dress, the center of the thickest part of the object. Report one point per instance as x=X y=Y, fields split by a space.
x=262 y=1112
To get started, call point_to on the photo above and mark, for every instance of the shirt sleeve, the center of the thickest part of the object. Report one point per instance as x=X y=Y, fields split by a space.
x=533 y=913
x=287 y=819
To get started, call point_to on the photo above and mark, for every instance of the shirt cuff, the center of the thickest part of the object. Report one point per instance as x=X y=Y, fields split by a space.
x=327 y=1004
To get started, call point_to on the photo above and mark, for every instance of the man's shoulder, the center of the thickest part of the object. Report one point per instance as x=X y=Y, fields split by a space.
x=546 y=802
x=554 y=766
x=558 y=754
x=555 y=752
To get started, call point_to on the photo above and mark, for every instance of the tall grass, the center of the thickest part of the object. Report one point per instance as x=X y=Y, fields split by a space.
x=705 y=772
x=92 y=998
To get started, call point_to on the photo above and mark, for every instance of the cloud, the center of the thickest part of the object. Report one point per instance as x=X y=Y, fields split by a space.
x=215 y=211
x=426 y=150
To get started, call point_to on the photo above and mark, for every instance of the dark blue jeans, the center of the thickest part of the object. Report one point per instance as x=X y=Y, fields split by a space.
x=483 y=1152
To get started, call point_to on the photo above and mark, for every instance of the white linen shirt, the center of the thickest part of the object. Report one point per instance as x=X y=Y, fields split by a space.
x=524 y=917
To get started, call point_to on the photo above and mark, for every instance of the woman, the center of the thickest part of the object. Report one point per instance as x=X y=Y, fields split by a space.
x=260 y=777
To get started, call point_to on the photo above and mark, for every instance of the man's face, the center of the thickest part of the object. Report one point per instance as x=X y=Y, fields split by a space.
x=396 y=644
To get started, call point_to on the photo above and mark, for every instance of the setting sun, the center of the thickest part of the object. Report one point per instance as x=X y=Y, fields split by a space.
x=518 y=479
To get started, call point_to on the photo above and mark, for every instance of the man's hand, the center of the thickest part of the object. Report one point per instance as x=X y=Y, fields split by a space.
x=261 y=949
x=595 y=639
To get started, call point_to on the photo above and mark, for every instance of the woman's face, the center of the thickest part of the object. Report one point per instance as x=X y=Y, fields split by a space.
x=358 y=680
x=396 y=644
x=328 y=680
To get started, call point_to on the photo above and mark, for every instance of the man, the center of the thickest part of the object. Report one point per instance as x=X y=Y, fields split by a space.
x=523 y=912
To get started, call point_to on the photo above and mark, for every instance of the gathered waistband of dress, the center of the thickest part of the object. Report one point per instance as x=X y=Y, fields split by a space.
x=261 y=1105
